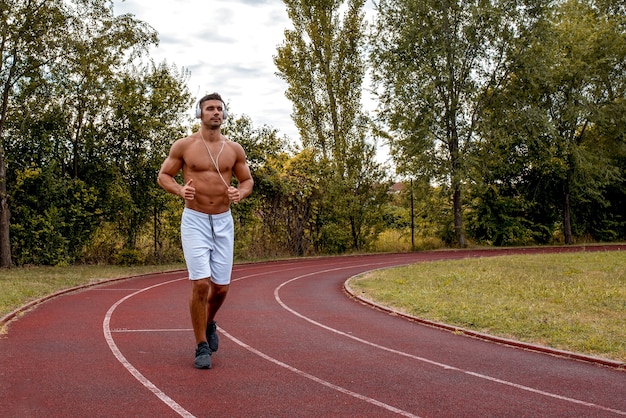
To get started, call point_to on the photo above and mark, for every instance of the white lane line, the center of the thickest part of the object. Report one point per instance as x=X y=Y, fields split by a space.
x=425 y=360
x=133 y=371
x=317 y=379
x=307 y=375
x=120 y=357
x=388 y=262
x=123 y=330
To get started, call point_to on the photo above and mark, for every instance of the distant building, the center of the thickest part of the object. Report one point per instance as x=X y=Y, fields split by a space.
x=396 y=188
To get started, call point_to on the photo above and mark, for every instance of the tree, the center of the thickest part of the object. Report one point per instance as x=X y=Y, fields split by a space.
x=99 y=46
x=146 y=117
x=31 y=38
x=581 y=83
x=54 y=216
x=434 y=65
x=570 y=87
x=52 y=46
x=268 y=220
x=290 y=196
x=322 y=62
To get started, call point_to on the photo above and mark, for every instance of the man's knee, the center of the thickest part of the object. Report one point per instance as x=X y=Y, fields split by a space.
x=200 y=288
x=218 y=291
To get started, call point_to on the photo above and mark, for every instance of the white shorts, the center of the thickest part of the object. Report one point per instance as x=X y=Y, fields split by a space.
x=208 y=245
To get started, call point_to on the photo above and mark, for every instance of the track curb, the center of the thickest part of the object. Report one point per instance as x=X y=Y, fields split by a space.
x=4 y=321
x=482 y=336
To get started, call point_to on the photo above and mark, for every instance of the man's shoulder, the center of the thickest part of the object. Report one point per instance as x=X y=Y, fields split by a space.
x=182 y=146
x=233 y=144
x=186 y=141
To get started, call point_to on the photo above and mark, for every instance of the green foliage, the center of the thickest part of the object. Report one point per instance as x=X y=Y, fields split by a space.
x=94 y=114
x=52 y=217
x=30 y=39
x=129 y=257
x=503 y=220
x=509 y=116
x=289 y=193
x=433 y=66
x=322 y=61
x=560 y=152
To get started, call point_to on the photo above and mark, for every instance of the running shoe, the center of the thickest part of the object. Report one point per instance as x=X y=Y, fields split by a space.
x=203 y=356
x=211 y=336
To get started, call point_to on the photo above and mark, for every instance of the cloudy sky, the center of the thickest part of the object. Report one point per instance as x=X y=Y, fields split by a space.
x=228 y=46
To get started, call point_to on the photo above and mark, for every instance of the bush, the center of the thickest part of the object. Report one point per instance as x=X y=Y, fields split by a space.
x=129 y=257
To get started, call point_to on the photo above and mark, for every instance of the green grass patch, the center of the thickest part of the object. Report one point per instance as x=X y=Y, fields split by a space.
x=19 y=286
x=571 y=301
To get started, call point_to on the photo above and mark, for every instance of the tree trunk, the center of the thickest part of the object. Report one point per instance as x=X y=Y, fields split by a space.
x=5 y=242
x=5 y=219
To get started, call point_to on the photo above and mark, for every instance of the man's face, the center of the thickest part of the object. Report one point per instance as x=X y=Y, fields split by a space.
x=213 y=112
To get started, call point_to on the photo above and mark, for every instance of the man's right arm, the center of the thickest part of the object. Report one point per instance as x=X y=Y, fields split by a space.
x=169 y=169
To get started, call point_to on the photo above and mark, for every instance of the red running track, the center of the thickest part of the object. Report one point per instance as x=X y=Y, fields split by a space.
x=292 y=344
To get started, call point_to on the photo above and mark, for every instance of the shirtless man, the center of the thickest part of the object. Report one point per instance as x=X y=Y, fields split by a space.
x=208 y=161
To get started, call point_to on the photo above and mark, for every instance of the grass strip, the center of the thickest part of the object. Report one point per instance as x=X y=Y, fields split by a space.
x=19 y=286
x=569 y=301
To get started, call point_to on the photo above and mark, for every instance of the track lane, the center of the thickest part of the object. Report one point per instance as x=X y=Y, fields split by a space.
x=292 y=344
x=327 y=309
x=447 y=365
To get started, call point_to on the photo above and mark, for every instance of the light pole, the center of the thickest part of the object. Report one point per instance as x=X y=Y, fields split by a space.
x=412 y=221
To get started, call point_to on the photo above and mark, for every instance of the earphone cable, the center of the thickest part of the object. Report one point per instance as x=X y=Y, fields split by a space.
x=216 y=161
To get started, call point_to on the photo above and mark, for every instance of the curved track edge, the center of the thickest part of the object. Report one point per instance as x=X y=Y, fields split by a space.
x=486 y=337
x=4 y=321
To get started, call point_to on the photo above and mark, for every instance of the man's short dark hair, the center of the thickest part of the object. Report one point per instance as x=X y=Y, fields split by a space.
x=212 y=96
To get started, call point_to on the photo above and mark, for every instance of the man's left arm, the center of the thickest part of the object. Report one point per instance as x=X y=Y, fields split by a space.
x=243 y=175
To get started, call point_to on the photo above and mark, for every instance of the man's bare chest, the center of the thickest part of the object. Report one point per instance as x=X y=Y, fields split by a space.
x=213 y=157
